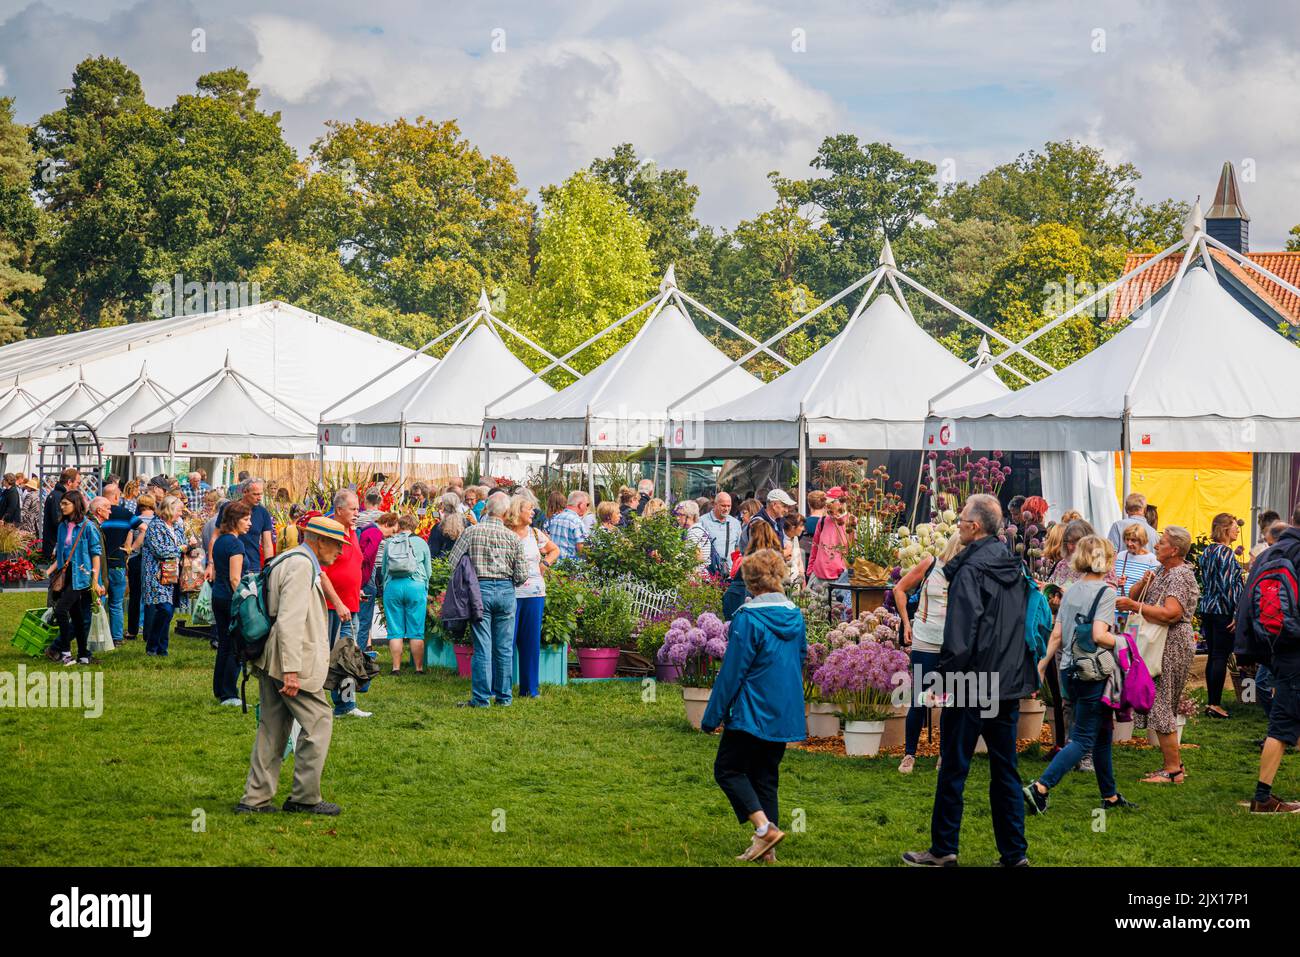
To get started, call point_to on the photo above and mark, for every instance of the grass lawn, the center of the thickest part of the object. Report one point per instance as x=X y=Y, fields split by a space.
x=585 y=775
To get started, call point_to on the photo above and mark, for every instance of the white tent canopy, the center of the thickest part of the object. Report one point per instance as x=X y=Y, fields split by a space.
x=444 y=407
x=77 y=400
x=1205 y=387
x=868 y=388
x=136 y=401
x=623 y=403
x=229 y=417
x=308 y=361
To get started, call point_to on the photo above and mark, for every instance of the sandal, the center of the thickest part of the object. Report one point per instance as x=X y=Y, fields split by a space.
x=1221 y=715
x=1166 y=777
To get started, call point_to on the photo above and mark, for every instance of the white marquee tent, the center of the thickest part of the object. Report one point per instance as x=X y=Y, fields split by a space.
x=622 y=405
x=227 y=415
x=305 y=360
x=868 y=389
x=77 y=400
x=135 y=402
x=443 y=407
x=1185 y=375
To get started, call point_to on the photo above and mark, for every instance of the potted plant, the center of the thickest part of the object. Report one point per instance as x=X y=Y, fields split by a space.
x=439 y=651
x=697 y=649
x=862 y=679
x=14 y=542
x=1032 y=711
x=564 y=598
x=823 y=717
x=606 y=621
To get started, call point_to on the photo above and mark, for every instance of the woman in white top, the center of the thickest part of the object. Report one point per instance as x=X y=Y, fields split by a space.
x=530 y=597
x=924 y=637
x=1136 y=559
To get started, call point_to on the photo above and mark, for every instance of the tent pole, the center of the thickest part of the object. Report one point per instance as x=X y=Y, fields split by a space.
x=401 y=452
x=803 y=463
x=1126 y=442
x=654 y=472
x=320 y=448
x=916 y=496
x=546 y=474
x=668 y=476
x=487 y=460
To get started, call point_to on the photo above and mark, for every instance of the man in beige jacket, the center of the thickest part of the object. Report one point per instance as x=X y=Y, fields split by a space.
x=291 y=673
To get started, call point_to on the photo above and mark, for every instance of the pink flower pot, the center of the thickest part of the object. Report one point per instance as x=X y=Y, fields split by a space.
x=463 y=655
x=598 y=662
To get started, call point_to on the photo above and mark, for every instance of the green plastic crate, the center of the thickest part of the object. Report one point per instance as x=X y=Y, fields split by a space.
x=34 y=636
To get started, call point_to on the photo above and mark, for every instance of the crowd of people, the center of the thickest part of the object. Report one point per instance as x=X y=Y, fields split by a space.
x=961 y=612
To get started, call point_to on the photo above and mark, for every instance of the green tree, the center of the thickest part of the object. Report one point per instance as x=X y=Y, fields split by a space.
x=1293 y=244
x=417 y=212
x=661 y=198
x=1071 y=184
x=1051 y=271
x=870 y=191
x=20 y=221
x=593 y=266
x=94 y=155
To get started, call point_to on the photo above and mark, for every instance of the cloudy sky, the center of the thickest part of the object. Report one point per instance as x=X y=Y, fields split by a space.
x=730 y=90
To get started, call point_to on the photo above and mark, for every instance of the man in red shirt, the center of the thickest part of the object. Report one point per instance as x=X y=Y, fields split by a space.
x=342 y=584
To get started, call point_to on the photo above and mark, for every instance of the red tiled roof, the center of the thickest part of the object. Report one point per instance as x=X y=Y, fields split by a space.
x=1285 y=265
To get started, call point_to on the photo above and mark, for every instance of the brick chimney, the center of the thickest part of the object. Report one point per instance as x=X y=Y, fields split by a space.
x=1227 y=220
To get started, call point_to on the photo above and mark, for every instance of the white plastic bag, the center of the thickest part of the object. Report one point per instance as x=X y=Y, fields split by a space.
x=201 y=611
x=379 y=627
x=101 y=635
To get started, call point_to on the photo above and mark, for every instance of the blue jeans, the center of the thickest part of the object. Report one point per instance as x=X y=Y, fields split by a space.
x=927 y=661
x=494 y=642
x=959 y=729
x=342 y=704
x=1089 y=734
x=157 y=627
x=115 y=585
x=528 y=643
x=365 y=618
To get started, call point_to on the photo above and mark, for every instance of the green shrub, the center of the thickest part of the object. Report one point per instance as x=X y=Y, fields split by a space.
x=607 y=619
x=651 y=550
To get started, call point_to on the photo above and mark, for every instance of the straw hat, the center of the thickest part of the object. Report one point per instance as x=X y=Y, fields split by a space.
x=327 y=528
x=33 y=483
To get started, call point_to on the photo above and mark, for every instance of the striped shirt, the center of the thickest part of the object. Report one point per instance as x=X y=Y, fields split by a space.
x=494 y=550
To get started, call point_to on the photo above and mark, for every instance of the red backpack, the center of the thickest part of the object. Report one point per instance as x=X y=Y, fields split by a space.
x=1275 y=601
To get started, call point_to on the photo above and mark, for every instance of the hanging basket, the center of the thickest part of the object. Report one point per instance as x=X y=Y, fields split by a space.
x=869 y=573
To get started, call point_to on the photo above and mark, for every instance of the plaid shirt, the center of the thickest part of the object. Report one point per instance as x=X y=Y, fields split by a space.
x=568 y=530
x=494 y=550
x=194 y=496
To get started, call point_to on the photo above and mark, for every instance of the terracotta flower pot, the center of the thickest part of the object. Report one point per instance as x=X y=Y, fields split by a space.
x=1030 y=726
x=598 y=662
x=823 y=720
x=895 y=729
x=696 y=700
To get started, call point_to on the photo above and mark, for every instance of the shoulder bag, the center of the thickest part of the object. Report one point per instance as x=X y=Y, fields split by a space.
x=1149 y=636
x=1091 y=661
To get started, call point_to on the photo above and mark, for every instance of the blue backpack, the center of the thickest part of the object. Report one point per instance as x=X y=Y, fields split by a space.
x=1038 y=622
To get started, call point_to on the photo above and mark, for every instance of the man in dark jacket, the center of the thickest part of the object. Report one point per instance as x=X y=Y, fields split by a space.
x=11 y=502
x=1282 y=662
x=987 y=668
x=68 y=480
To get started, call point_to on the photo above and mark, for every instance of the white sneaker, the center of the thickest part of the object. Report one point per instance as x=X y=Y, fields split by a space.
x=83 y=661
x=357 y=713
x=232 y=701
x=67 y=659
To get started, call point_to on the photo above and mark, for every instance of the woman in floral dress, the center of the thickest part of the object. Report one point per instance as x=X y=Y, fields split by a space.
x=162 y=543
x=1170 y=600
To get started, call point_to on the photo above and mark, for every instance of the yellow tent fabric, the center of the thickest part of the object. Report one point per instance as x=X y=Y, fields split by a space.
x=1190 y=488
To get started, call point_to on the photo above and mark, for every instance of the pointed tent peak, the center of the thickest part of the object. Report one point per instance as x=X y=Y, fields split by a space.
x=1227 y=197
x=887 y=255
x=484 y=304
x=1195 y=221
x=670 y=279
x=226 y=366
x=144 y=371
x=983 y=355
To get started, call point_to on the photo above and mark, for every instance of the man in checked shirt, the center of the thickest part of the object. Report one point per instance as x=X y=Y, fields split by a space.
x=497 y=555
